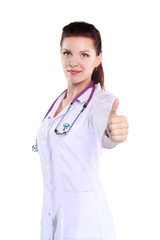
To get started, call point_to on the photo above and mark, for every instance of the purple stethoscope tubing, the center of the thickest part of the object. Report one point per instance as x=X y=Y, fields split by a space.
x=85 y=105
x=35 y=147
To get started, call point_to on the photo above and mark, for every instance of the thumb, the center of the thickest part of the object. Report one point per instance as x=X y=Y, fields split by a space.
x=115 y=106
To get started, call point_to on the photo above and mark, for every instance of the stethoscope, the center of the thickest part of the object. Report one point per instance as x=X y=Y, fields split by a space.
x=66 y=126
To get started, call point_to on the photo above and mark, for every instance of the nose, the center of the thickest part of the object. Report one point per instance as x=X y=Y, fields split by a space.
x=74 y=62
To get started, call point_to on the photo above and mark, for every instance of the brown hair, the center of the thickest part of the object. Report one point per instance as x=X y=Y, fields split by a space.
x=87 y=30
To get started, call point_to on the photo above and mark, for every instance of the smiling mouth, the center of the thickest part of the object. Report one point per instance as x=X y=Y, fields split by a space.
x=74 y=72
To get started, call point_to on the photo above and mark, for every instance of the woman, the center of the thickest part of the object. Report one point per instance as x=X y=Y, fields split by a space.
x=70 y=141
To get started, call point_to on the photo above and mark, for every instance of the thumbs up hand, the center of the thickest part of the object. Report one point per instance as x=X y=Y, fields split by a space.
x=117 y=126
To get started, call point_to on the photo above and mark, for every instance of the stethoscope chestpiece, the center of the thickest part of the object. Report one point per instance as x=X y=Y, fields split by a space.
x=35 y=147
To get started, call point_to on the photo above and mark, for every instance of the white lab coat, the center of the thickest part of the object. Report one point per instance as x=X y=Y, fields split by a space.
x=74 y=201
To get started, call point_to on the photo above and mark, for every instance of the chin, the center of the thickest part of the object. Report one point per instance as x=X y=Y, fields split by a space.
x=74 y=79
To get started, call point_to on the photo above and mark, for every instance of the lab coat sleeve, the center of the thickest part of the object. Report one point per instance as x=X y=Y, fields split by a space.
x=100 y=117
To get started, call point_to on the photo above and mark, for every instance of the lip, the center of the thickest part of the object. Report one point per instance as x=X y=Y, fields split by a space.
x=74 y=72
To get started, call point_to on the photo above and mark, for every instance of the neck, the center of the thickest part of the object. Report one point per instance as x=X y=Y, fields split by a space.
x=74 y=89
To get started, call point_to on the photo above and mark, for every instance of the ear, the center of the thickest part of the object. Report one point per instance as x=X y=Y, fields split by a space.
x=99 y=59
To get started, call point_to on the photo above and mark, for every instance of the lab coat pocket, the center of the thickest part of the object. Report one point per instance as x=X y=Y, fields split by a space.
x=81 y=215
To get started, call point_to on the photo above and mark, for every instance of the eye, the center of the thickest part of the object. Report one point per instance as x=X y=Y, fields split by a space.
x=66 y=53
x=84 y=55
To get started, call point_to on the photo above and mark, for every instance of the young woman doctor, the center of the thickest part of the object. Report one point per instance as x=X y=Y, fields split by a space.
x=79 y=123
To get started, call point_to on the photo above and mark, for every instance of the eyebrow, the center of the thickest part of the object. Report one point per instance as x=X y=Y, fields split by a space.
x=80 y=51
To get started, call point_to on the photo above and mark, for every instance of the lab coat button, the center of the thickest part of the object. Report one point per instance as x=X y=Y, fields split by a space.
x=49 y=117
x=49 y=214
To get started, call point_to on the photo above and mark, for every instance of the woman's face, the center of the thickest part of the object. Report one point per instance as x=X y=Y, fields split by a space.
x=79 y=59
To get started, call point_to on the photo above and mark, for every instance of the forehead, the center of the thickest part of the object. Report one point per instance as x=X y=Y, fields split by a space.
x=78 y=43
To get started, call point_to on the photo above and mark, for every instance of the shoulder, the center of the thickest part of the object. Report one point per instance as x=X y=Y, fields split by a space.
x=101 y=104
x=103 y=98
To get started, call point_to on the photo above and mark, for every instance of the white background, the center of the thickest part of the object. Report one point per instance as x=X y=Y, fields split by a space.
x=31 y=77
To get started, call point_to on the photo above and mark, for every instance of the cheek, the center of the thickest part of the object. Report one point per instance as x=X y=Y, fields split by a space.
x=64 y=61
x=88 y=65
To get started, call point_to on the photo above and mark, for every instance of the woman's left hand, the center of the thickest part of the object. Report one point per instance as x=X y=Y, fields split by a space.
x=117 y=127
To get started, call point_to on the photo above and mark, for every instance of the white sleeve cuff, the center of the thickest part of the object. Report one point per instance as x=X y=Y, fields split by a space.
x=107 y=143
